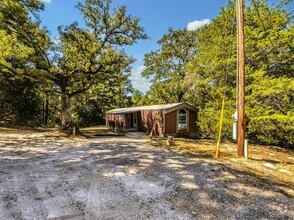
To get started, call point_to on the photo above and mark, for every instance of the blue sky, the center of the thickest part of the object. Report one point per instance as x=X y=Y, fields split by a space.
x=156 y=17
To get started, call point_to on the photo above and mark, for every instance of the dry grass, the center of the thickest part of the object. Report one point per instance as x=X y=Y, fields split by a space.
x=101 y=128
x=90 y=131
x=47 y=132
x=270 y=163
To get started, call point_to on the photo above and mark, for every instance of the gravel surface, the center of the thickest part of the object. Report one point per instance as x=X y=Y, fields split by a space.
x=47 y=177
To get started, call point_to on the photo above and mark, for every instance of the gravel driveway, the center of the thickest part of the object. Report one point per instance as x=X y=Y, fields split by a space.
x=47 y=177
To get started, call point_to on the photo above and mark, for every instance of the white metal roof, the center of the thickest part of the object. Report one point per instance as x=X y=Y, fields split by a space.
x=150 y=107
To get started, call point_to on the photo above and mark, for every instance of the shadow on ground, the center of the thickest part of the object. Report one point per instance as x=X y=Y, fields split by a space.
x=127 y=178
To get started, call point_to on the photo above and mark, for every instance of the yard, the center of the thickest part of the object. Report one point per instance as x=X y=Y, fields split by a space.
x=45 y=175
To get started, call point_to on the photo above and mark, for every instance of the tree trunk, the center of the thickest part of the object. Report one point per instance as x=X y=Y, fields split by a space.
x=46 y=110
x=43 y=110
x=180 y=96
x=66 y=118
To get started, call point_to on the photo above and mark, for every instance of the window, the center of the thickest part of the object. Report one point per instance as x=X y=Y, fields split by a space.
x=182 y=119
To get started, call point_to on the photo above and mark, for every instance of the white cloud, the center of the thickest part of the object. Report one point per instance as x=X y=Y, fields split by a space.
x=139 y=82
x=46 y=1
x=194 y=25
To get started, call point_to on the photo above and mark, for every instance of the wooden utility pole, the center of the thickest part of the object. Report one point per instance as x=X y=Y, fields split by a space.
x=241 y=79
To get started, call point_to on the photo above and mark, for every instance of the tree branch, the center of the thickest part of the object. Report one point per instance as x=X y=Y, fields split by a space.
x=80 y=91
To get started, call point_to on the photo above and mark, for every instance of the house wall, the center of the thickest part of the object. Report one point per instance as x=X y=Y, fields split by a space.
x=171 y=123
x=112 y=119
x=147 y=119
x=127 y=123
x=140 y=122
x=192 y=121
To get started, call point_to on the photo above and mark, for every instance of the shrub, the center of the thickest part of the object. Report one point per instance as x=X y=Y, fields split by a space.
x=275 y=129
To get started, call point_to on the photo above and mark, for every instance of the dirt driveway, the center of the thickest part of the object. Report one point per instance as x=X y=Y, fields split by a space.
x=45 y=177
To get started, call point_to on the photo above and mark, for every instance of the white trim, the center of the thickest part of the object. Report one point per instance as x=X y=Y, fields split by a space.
x=167 y=107
x=135 y=116
x=183 y=105
x=187 y=117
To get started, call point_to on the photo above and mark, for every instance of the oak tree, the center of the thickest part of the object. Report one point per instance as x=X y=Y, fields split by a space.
x=167 y=66
x=80 y=58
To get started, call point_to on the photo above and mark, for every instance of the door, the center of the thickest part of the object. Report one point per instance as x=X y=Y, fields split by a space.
x=135 y=121
x=131 y=120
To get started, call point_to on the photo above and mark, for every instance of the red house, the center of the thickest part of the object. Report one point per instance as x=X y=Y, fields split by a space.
x=172 y=119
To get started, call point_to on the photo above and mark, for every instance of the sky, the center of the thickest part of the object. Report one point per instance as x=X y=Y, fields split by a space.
x=156 y=16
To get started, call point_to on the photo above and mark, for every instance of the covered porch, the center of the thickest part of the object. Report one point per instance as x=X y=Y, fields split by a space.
x=123 y=121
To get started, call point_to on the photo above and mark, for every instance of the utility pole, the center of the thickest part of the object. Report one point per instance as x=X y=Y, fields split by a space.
x=241 y=79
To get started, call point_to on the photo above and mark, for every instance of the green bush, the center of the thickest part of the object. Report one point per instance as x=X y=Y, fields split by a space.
x=275 y=129
x=208 y=123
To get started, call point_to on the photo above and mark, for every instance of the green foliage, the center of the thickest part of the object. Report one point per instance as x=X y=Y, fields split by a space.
x=25 y=41
x=268 y=95
x=90 y=107
x=90 y=56
x=81 y=59
x=168 y=65
x=275 y=129
x=87 y=111
x=22 y=46
x=137 y=98
x=90 y=70
x=271 y=109
x=160 y=93
x=19 y=101
x=11 y=50
x=268 y=32
x=210 y=75
x=209 y=119
x=269 y=73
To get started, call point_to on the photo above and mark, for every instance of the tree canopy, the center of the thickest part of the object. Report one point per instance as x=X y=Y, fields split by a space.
x=209 y=73
x=168 y=65
x=81 y=58
x=85 y=71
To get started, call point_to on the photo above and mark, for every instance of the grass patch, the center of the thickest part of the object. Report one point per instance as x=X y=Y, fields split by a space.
x=264 y=162
x=91 y=131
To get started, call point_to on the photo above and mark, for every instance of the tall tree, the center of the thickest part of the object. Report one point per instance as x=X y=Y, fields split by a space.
x=121 y=90
x=20 y=96
x=82 y=57
x=268 y=70
x=168 y=65
x=212 y=73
